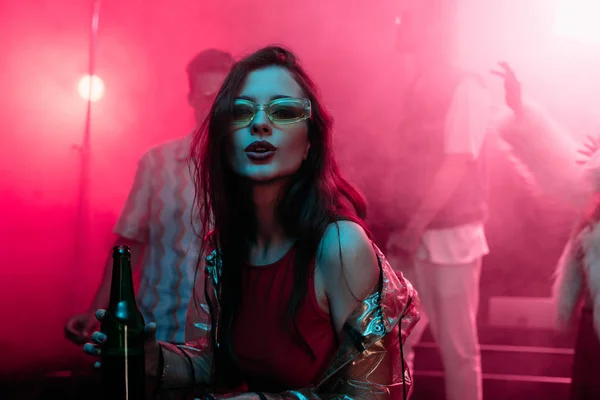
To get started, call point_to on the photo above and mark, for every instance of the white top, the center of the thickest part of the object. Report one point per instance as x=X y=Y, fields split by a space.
x=467 y=123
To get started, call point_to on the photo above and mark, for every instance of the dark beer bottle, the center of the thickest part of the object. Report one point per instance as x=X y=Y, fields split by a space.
x=123 y=369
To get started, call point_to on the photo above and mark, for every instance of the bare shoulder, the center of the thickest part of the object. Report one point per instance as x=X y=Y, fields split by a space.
x=346 y=254
x=347 y=235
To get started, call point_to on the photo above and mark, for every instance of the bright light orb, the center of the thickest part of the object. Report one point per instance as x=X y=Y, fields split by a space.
x=95 y=84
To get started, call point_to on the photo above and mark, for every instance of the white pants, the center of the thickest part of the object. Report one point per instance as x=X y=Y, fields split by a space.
x=449 y=303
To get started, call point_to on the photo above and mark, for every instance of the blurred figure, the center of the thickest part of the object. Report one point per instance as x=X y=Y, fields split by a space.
x=550 y=157
x=156 y=220
x=441 y=204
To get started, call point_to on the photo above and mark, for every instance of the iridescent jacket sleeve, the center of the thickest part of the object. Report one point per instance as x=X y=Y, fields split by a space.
x=368 y=364
x=191 y=365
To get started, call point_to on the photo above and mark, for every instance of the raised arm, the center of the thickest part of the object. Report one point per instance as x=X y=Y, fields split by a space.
x=545 y=152
x=548 y=154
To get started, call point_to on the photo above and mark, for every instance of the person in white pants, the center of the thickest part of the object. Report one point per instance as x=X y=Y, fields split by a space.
x=441 y=200
x=447 y=262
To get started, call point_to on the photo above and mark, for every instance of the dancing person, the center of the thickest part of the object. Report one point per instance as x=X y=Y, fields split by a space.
x=442 y=203
x=550 y=158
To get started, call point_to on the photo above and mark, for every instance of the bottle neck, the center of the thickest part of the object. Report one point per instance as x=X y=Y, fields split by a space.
x=121 y=288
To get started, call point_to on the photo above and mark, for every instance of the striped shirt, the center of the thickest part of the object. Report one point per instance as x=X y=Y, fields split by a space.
x=158 y=213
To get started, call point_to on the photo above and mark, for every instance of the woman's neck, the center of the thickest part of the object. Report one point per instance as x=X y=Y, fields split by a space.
x=271 y=241
x=268 y=228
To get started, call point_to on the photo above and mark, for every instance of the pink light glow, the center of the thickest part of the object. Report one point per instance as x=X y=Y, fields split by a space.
x=578 y=19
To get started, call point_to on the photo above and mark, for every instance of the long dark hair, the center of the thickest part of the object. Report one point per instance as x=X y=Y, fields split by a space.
x=316 y=196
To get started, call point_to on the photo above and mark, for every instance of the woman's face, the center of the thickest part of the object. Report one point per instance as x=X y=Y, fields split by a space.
x=263 y=150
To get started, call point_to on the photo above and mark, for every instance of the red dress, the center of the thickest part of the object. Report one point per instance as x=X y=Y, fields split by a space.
x=272 y=358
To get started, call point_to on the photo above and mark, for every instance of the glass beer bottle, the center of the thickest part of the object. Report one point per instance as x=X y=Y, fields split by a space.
x=123 y=369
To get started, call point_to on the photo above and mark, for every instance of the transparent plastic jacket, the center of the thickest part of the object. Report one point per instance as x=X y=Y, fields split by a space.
x=374 y=330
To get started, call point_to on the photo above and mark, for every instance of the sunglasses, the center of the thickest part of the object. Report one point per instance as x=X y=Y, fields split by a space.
x=279 y=111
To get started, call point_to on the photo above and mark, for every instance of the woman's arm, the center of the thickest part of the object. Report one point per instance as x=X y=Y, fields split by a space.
x=543 y=151
x=548 y=155
x=350 y=269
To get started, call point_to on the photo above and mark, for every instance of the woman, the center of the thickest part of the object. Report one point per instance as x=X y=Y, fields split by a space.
x=299 y=302
x=549 y=155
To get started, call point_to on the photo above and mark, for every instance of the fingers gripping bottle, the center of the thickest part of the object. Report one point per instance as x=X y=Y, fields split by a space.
x=123 y=369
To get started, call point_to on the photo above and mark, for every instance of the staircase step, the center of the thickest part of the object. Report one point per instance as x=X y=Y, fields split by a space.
x=503 y=377
x=506 y=360
x=429 y=385
x=508 y=336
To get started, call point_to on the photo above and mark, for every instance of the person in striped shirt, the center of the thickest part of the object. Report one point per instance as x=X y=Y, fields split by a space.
x=156 y=221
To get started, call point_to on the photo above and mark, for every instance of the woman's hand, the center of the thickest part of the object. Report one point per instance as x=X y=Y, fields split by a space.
x=512 y=87
x=78 y=328
x=151 y=347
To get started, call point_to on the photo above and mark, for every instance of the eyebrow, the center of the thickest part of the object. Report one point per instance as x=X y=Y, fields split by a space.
x=253 y=99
